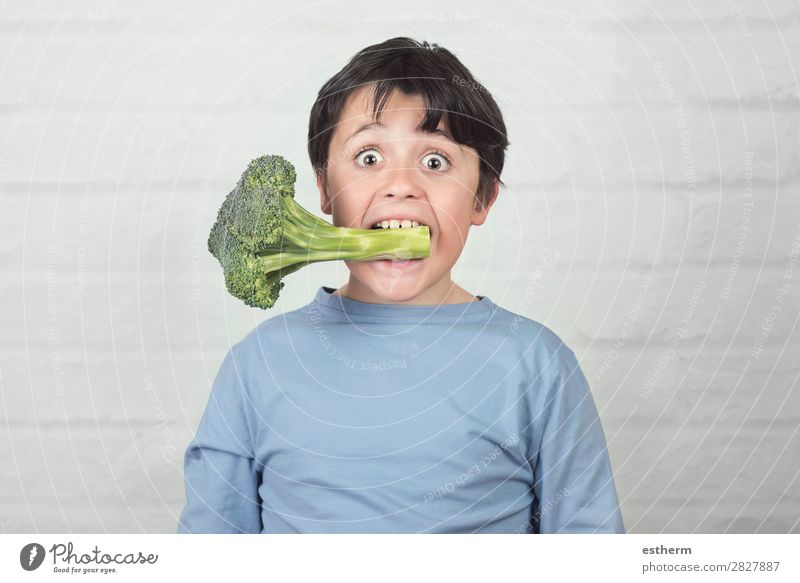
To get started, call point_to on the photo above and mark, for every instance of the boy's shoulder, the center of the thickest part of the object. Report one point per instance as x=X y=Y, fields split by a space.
x=531 y=337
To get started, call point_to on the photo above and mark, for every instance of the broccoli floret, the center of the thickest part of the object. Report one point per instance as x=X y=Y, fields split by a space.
x=262 y=235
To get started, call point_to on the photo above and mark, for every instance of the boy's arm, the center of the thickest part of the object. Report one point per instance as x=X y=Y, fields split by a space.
x=220 y=471
x=574 y=487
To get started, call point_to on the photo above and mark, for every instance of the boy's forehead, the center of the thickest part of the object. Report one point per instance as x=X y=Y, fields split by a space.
x=357 y=113
x=358 y=107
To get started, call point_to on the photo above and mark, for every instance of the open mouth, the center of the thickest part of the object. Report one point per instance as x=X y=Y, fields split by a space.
x=397 y=224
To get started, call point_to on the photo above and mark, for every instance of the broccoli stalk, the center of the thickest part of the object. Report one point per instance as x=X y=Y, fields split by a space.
x=262 y=235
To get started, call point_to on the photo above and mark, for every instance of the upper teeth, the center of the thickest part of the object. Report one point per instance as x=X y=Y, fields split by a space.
x=396 y=224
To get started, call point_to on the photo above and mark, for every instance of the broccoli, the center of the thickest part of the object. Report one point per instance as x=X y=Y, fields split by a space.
x=262 y=234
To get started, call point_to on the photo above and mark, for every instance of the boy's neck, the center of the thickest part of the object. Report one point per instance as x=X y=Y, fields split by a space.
x=445 y=292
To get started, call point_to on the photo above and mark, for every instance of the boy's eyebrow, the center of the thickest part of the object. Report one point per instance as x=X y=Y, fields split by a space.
x=372 y=124
x=363 y=128
x=446 y=135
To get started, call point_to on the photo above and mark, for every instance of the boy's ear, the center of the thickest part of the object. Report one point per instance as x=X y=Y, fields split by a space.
x=479 y=212
x=324 y=203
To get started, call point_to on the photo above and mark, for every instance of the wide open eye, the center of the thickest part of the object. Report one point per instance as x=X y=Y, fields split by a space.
x=368 y=156
x=436 y=161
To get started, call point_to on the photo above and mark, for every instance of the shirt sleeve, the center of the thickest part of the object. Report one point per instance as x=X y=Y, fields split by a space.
x=574 y=488
x=220 y=473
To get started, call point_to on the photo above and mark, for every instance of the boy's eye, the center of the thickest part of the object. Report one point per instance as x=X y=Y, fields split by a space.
x=436 y=161
x=369 y=156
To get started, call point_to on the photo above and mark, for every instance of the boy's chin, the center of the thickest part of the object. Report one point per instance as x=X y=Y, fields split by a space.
x=398 y=282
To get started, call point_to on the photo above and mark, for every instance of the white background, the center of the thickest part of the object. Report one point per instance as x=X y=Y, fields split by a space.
x=654 y=153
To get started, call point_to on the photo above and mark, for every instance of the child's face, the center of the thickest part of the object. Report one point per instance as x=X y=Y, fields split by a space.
x=397 y=171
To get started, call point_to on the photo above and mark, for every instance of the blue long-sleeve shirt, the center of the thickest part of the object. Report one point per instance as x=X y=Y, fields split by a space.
x=346 y=416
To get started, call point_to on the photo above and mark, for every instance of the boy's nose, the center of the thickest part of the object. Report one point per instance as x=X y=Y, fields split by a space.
x=402 y=182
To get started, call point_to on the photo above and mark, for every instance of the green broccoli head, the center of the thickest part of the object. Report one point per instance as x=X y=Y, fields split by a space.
x=253 y=212
x=250 y=220
x=261 y=235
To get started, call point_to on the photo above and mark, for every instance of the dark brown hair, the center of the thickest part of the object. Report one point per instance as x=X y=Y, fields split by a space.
x=446 y=86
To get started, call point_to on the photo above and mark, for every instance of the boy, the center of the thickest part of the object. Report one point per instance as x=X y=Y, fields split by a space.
x=400 y=402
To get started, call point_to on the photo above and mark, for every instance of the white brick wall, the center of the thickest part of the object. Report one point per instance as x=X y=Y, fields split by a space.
x=650 y=219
